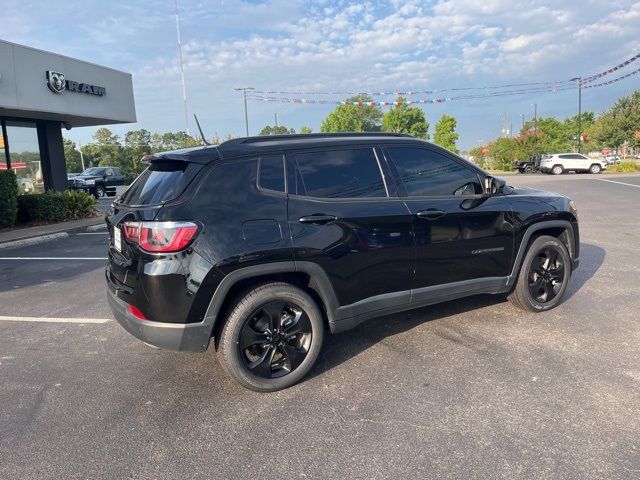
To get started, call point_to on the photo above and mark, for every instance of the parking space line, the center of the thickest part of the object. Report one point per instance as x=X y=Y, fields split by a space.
x=53 y=258
x=621 y=183
x=53 y=320
x=93 y=233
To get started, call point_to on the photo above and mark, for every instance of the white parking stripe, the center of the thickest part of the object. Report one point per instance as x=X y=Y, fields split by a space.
x=53 y=258
x=53 y=320
x=621 y=183
x=93 y=233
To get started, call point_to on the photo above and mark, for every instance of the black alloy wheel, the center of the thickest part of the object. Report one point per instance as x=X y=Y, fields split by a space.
x=275 y=339
x=272 y=336
x=546 y=275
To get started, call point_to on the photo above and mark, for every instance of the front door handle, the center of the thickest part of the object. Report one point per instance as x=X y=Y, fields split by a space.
x=431 y=214
x=318 y=219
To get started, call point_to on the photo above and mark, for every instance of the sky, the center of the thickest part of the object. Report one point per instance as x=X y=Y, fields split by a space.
x=333 y=45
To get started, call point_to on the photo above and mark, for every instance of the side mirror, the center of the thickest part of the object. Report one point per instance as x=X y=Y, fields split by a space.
x=489 y=185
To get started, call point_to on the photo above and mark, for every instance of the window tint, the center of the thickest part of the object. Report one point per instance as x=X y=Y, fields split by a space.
x=161 y=182
x=428 y=173
x=272 y=173
x=345 y=173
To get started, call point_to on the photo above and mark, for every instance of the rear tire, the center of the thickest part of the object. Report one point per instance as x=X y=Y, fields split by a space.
x=557 y=170
x=544 y=275
x=595 y=168
x=271 y=338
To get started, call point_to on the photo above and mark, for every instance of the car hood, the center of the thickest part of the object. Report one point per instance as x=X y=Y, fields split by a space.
x=86 y=177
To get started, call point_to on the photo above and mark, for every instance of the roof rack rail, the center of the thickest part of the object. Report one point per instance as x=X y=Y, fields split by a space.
x=270 y=138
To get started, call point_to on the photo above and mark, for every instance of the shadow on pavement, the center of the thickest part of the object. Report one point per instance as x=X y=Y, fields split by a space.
x=340 y=348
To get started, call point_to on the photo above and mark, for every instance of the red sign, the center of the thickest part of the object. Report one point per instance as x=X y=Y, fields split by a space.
x=14 y=165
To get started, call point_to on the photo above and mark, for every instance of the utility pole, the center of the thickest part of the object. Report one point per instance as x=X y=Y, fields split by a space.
x=511 y=129
x=522 y=115
x=275 y=115
x=579 y=80
x=246 y=116
x=184 y=87
x=535 y=116
x=81 y=155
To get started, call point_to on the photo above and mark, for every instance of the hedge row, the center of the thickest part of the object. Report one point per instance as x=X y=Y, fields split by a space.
x=8 y=198
x=44 y=207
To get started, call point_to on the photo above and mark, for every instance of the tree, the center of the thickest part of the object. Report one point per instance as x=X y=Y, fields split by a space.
x=72 y=156
x=445 y=134
x=306 y=130
x=403 y=119
x=276 y=130
x=105 y=150
x=353 y=118
x=503 y=151
x=137 y=144
x=178 y=140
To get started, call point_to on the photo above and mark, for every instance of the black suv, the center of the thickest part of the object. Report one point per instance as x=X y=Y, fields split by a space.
x=98 y=181
x=264 y=243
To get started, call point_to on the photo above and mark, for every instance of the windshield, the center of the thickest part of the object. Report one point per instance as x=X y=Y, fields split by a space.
x=93 y=171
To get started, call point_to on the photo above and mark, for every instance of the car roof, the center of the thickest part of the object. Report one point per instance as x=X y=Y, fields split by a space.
x=265 y=144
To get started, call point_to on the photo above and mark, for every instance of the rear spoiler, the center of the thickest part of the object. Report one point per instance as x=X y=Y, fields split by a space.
x=201 y=155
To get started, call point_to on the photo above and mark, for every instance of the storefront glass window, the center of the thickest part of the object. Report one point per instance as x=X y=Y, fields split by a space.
x=24 y=152
x=3 y=152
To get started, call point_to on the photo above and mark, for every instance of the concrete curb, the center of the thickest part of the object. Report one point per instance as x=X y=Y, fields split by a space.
x=24 y=242
x=96 y=228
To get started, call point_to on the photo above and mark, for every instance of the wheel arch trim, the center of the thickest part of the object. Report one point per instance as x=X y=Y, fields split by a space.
x=319 y=282
x=524 y=243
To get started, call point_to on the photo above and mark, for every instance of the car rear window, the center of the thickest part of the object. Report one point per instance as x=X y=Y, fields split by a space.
x=161 y=182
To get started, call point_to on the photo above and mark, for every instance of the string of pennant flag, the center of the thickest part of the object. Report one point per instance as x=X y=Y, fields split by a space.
x=482 y=92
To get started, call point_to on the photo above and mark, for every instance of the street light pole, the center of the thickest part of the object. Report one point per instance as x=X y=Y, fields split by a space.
x=579 y=80
x=246 y=116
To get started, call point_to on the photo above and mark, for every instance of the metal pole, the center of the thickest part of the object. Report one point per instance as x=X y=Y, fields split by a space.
x=184 y=87
x=580 y=115
x=535 y=116
x=81 y=155
x=275 y=115
x=246 y=115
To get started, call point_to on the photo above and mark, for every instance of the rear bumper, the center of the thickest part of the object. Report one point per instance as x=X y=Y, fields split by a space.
x=190 y=337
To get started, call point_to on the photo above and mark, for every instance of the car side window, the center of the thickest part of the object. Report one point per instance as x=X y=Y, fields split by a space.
x=271 y=176
x=109 y=172
x=347 y=173
x=426 y=172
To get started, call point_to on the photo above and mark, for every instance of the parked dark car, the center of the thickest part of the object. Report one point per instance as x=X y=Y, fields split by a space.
x=98 y=181
x=262 y=244
x=531 y=165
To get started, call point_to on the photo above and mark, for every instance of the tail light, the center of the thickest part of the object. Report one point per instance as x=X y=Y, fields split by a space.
x=161 y=237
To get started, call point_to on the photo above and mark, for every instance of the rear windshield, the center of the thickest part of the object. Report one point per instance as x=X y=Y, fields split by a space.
x=161 y=182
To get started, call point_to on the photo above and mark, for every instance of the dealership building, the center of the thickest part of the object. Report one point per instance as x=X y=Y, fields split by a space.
x=40 y=94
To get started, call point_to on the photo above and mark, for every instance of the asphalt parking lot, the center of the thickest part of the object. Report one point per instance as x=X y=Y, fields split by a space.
x=468 y=389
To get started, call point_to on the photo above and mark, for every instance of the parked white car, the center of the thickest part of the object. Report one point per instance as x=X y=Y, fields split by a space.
x=559 y=163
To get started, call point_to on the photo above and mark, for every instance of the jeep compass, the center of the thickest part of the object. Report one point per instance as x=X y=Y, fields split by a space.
x=259 y=246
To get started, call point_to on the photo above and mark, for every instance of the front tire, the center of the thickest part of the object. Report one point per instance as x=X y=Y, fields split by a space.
x=595 y=168
x=557 y=170
x=99 y=191
x=528 y=169
x=271 y=338
x=544 y=275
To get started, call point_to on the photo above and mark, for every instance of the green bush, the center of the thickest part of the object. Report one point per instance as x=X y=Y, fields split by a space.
x=80 y=204
x=628 y=166
x=43 y=207
x=8 y=198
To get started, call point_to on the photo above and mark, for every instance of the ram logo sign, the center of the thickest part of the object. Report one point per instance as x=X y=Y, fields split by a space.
x=57 y=83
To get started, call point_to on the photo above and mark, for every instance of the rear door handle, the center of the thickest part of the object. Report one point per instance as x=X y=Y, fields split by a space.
x=318 y=219
x=431 y=214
